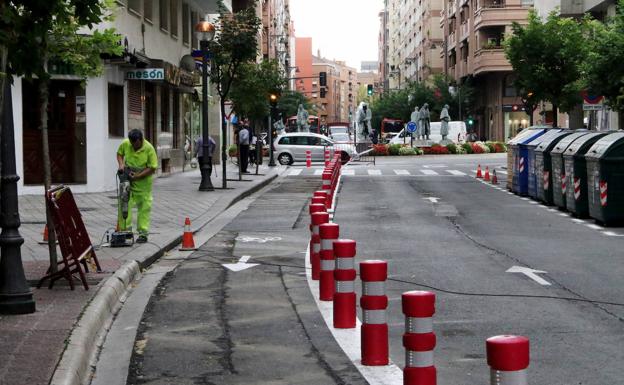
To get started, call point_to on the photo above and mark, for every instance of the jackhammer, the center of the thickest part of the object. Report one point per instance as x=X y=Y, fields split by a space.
x=123 y=237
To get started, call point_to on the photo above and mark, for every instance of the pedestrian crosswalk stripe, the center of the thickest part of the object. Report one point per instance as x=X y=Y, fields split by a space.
x=318 y=171
x=429 y=172
x=374 y=172
x=456 y=172
x=401 y=172
x=348 y=172
x=295 y=172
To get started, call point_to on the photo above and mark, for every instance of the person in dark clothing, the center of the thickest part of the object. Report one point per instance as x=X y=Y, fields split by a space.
x=243 y=145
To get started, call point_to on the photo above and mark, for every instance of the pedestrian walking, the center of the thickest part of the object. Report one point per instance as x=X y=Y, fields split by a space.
x=243 y=145
x=199 y=151
x=138 y=155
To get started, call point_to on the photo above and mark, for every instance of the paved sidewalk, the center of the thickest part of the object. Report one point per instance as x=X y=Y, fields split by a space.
x=32 y=344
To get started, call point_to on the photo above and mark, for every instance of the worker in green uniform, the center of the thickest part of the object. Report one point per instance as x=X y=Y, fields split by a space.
x=139 y=156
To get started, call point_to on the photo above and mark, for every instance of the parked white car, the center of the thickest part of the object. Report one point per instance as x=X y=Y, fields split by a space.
x=292 y=147
x=457 y=133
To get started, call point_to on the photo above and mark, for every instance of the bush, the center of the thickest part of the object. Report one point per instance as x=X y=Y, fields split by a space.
x=460 y=149
x=232 y=150
x=480 y=148
x=490 y=146
x=467 y=148
x=380 y=149
x=407 y=151
x=393 y=149
x=452 y=148
x=500 y=147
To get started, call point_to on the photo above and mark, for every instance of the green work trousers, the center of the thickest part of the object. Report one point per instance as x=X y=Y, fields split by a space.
x=143 y=203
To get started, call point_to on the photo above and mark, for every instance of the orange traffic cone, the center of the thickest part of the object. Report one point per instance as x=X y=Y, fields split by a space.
x=187 y=238
x=494 y=178
x=479 y=175
x=487 y=174
x=44 y=241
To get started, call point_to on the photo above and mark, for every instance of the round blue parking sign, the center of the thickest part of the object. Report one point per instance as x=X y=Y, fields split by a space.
x=411 y=127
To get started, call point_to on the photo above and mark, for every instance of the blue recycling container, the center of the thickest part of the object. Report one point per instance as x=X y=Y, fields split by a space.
x=517 y=168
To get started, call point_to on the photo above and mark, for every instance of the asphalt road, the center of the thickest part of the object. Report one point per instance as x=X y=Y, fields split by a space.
x=465 y=241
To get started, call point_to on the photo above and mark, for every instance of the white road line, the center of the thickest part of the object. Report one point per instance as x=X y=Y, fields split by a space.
x=318 y=171
x=429 y=172
x=350 y=339
x=435 y=166
x=402 y=172
x=533 y=203
x=374 y=172
x=456 y=172
x=578 y=220
x=612 y=234
x=295 y=172
x=348 y=172
x=564 y=215
x=593 y=226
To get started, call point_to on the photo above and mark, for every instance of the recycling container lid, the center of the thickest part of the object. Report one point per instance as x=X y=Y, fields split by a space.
x=582 y=144
x=609 y=145
x=547 y=136
x=564 y=143
x=527 y=135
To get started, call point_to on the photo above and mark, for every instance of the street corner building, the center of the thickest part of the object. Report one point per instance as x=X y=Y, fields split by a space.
x=151 y=86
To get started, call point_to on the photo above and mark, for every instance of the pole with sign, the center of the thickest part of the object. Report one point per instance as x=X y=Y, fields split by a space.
x=411 y=128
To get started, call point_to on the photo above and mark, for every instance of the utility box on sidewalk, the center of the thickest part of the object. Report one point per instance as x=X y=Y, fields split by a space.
x=561 y=181
x=543 y=170
x=605 y=179
x=576 y=171
x=516 y=158
x=529 y=148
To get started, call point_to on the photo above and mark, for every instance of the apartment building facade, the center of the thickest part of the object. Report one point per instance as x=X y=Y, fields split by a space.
x=337 y=101
x=275 y=41
x=473 y=48
x=383 y=48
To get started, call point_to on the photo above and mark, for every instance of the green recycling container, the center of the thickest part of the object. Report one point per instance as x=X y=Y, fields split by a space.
x=560 y=180
x=605 y=179
x=543 y=172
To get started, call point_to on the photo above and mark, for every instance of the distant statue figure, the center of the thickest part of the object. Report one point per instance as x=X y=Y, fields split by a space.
x=364 y=117
x=445 y=118
x=302 y=119
x=424 y=121
x=414 y=118
x=279 y=126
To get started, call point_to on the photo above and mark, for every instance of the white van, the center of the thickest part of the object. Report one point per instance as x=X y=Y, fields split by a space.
x=457 y=133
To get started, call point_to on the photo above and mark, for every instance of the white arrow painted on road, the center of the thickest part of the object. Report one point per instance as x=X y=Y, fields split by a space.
x=432 y=199
x=241 y=264
x=531 y=273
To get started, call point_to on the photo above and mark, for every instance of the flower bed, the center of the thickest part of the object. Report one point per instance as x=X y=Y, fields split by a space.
x=437 y=149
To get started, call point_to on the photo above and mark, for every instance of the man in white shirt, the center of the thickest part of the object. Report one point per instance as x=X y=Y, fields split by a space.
x=243 y=144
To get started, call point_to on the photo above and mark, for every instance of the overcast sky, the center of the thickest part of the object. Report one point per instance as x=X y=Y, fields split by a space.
x=342 y=29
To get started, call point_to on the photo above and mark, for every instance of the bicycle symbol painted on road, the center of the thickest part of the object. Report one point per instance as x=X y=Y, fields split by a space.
x=258 y=239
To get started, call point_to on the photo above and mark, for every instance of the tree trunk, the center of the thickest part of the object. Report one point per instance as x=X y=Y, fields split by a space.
x=576 y=116
x=223 y=143
x=555 y=116
x=47 y=170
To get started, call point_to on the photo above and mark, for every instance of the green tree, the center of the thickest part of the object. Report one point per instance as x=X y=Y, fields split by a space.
x=604 y=69
x=289 y=102
x=235 y=44
x=547 y=57
x=254 y=84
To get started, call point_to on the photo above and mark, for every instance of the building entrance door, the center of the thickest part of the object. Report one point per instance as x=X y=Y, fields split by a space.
x=66 y=135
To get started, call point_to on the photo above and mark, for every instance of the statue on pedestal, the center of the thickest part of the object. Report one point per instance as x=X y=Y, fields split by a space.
x=445 y=118
x=424 y=121
x=414 y=118
x=302 y=119
x=364 y=117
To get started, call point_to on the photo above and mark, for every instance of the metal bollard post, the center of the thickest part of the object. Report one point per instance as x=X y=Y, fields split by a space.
x=508 y=358
x=326 y=156
x=419 y=339
x=344 y=275
x=327 y=186
x=308 y=158
x=318 y=219
x=374 y=303
x=329 y=232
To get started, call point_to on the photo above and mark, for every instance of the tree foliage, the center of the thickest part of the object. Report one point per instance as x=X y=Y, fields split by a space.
x=547 y=57
x=289 y=102
x=604 y=65
x=255 y=82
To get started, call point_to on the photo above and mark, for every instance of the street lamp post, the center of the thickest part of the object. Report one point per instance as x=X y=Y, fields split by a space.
x=205 y=32
x=15 y=295
x=273 y=103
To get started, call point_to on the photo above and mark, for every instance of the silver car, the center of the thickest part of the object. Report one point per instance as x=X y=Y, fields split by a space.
x=292 y=147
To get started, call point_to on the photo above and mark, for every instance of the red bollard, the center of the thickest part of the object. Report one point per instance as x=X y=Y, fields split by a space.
x=327 y=186
x=308 y=158
x=374 y=303
x=419 y=339
x=329 y=232
x=326 y=156
x=508 y=357
x=344 y=275
x=318 y=219
x=318 y=200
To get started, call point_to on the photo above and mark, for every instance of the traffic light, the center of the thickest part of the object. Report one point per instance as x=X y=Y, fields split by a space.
x=369 y=90
x=323 y=79
x=323 y=91
x=470 y=121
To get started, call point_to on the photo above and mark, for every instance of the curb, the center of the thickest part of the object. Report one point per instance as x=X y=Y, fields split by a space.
x=97 y=316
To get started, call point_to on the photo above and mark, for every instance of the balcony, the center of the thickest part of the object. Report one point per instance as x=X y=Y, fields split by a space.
x=498 y=14
x=490 y=59
x=464 y=31
x=452 y=41
x=452 y=8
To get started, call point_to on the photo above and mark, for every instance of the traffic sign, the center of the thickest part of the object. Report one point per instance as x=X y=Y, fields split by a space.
x=411 y=127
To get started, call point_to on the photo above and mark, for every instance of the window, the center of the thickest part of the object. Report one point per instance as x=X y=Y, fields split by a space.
x=115 y=111
x=135 y=105
x=194 y=42
x=148 y=10
x=163 y=13
x=186 y=28
x=508 y=87
x=135 y=6
x=173 y=25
